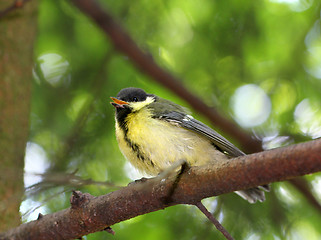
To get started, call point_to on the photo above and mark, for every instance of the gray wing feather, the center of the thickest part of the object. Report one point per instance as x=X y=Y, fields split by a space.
x=251 y=195
x=192 y=124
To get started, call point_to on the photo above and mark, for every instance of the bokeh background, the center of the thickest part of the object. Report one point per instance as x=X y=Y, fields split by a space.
x=257 y=62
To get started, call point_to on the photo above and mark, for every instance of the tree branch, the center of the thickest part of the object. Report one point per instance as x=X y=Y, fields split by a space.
x=216 y=223
x=124 y=43
x=56 y=179
x=90 y=214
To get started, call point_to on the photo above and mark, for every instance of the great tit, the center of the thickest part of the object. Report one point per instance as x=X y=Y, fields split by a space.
x=153 y=133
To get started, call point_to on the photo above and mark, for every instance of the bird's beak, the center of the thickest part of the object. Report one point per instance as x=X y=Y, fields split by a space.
x=118 y=103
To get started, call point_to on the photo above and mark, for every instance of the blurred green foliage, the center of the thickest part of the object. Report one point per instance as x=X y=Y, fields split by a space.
x=215 y=47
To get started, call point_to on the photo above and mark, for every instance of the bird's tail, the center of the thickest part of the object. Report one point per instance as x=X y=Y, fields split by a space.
x=254 y=194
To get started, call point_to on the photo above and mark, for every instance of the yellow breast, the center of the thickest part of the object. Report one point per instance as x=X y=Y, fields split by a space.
x=152 y=145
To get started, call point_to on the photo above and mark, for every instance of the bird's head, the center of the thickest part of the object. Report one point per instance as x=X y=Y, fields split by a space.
x=131 y=100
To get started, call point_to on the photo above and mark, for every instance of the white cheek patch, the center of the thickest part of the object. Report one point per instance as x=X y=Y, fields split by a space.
x=139 y=105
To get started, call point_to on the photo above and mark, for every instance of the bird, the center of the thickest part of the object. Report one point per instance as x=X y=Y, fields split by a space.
x=153 y=133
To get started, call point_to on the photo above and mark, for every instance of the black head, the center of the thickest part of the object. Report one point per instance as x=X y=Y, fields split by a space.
x=132 y=94
x=127 y=96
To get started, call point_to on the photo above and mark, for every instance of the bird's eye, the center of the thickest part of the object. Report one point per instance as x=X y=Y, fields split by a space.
x=135 y=99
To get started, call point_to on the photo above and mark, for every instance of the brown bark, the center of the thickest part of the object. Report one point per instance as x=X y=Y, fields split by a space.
x=16 y=40
x=146 y=64
x=90 y=214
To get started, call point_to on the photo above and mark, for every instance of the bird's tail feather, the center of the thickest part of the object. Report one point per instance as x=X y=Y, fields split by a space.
x=254 y=194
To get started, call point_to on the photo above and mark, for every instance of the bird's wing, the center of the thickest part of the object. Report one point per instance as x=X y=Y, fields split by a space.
x=188 y=122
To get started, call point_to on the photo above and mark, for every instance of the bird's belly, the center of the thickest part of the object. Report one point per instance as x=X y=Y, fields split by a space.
x=152 y=150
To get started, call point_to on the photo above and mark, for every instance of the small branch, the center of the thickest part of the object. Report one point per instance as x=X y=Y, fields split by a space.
x=15 y=5
x=67 y=181
x=216 y=223
x=51 y=180
x=124 y=43
x=196 y=183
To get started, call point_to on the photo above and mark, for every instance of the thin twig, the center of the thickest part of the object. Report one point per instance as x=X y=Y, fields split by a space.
x=43 y=202
x=216 y=223
x=51 y=180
